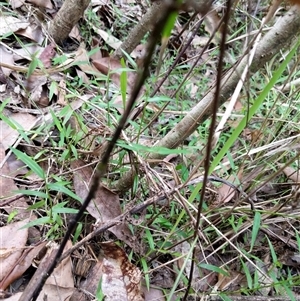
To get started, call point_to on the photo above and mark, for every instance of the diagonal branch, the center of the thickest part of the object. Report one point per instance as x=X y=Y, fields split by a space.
x=279 y=37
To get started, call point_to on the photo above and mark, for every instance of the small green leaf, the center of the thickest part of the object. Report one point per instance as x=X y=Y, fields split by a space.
x=123 y=83
x=169 y=25
x=29 y=162
x=77 y=232
x=12 y=215
x=213 y=268
x=36 y=193
x=99 y=293
x=74 y=151
x=59 y=208
x=52 y=89
x=59 y=187
x=224 y=297
x=150 y=239
x=248 y=275
x=161 y=98
x=32 y=66
x=37 y=205
x=40 y=221
x=273 y=253
x=153 y=149
x=255 y=229
x=146 y=274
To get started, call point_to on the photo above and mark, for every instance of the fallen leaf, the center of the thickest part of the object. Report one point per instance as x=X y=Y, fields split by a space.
x=8 y=188
x=238 y=106
x=96 y=46
x=12 y=243
x=75 y=33
x=42 y=3
x=225 y=192
x=9 y=135
x=6 y=57
x=83 y=62
x=154 y=294
x=34 y=33
x=47 y=55
x=16 y=3
x=9 y=24
x=109 y=39
x=82 y=75
x=27 y=52
x=121 y=280
x=61 y=93
x=292 y=173
x=60 y=284
x=105 y=205
x=233 y=282
x=36 y=88
x=62 y=275
x=202 y=279
x=113 y=66
x=22 y=264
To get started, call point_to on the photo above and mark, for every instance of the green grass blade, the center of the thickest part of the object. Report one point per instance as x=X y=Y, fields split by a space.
x=29 y=162
x=257 y=103
x=61 y=188
x=255 y=229
x=213 y=268
x=234 y=136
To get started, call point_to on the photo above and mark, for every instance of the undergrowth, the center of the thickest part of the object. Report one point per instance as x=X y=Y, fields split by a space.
x=241 y=249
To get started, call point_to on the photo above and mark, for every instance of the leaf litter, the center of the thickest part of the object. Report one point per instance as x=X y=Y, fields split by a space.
x=119 y=278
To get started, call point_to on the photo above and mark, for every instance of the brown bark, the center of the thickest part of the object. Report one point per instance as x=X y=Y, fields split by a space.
x=149 y=20
x=66 y=18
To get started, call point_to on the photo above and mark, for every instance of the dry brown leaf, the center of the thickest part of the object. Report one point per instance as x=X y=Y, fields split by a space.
x=6 y=57
x=120 y=277
x=98 y=54
x=108 y=38
x=42 y=3
x=9 y=24
x=105 y=206
x=154 y=294
x=16 y=3
x=225 y=192
x=121 y=280
x=27 y=52
x=8 y=188
x=62 y=275
x=60 y=285
x=203 y=279
x=292 y=174
x=233 y=282
x=12 y=243
x=8 y=135
x=47 y=55
x=75 y=33
x=238 y=106
x=111 y=65
x=33 y=33
x=36 y=88
x=24 y=262
x=83 y=61
x=61 y=93
x=83 y=77
x=15 y=166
